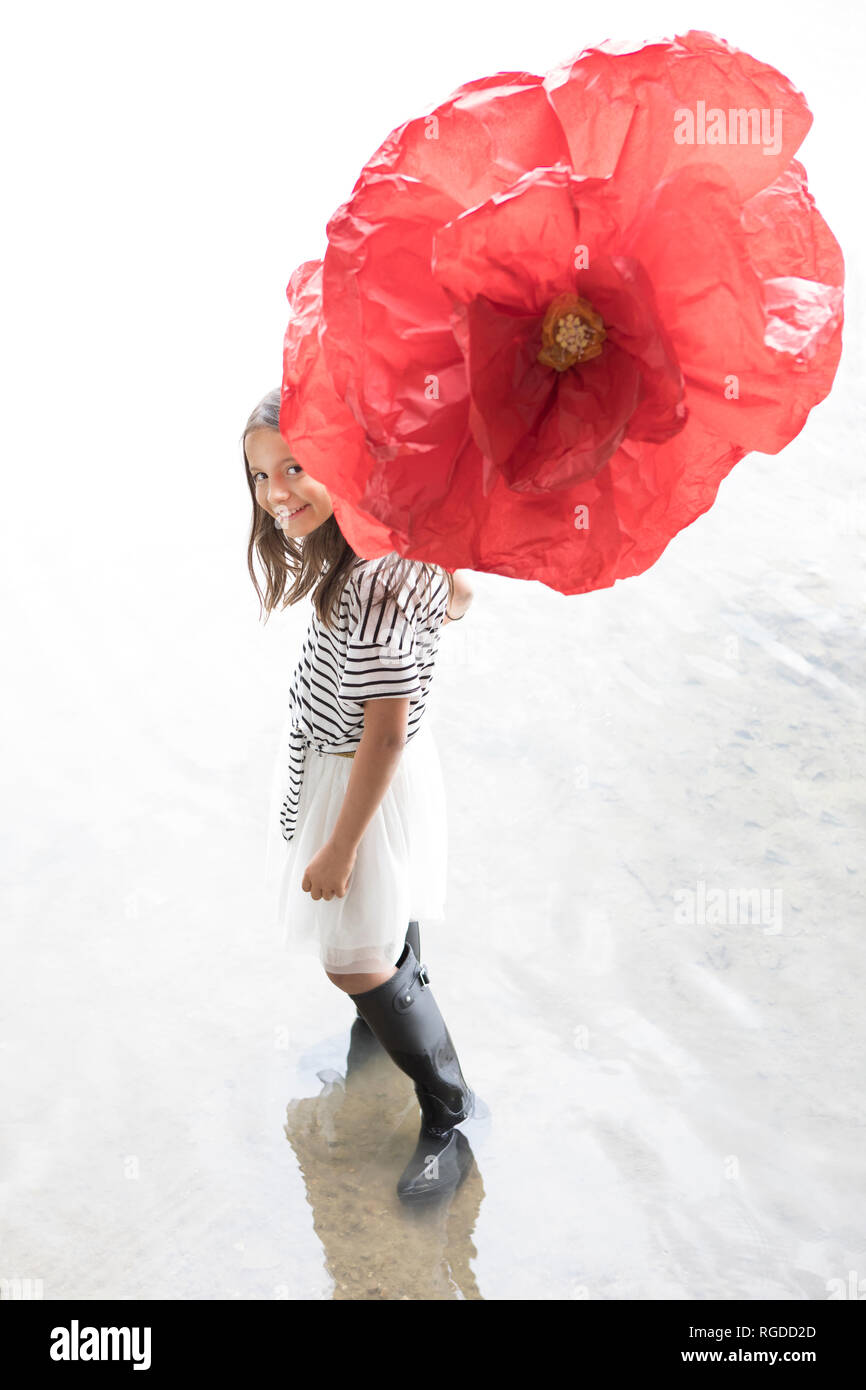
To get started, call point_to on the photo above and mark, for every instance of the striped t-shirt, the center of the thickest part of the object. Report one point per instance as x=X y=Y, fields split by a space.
x=375 y=649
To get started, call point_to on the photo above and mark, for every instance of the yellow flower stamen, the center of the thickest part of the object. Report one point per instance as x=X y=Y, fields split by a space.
x=572 y=332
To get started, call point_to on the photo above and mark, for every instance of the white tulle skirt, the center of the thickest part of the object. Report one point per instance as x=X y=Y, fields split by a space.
x=400 y=870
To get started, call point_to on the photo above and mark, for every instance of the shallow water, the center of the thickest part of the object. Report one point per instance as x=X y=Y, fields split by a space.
x=651 y=964
x=351 y=1144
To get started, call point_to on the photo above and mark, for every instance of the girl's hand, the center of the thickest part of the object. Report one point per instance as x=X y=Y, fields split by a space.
x=328 y=872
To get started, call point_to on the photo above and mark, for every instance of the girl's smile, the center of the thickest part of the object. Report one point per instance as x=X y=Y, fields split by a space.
x=283 y=516
x=296 y=501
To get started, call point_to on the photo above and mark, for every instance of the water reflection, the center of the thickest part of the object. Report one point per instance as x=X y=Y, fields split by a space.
x=352 y=1143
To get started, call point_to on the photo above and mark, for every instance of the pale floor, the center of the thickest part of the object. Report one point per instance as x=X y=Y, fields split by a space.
x=676 y=1095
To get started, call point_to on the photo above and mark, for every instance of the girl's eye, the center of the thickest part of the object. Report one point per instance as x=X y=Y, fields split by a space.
x=293 y=467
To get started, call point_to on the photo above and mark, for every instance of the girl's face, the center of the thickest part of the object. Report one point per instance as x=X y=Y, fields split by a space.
x=297 y=503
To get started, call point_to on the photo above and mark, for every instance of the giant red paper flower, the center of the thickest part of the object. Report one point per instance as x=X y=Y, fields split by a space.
x=556 y=311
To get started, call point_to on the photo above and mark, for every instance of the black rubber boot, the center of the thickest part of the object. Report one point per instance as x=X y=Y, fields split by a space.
x=413 y=936
x=404 y=1016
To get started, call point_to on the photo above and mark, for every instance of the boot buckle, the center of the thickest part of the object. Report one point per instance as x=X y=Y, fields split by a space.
x=402 y=1002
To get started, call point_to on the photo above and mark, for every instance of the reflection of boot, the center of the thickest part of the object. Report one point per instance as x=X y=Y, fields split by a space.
x=406 y=1019
x=413 y=936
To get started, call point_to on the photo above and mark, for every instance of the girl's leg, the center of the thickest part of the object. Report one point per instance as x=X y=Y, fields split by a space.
x=359 y=984
x=403 y=1014
x=413 y=936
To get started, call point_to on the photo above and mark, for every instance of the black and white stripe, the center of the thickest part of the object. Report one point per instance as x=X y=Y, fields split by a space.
x=377 y=649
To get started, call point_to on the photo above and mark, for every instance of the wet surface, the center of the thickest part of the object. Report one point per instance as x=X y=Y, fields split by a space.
x=651 y=965
x=351 y=1143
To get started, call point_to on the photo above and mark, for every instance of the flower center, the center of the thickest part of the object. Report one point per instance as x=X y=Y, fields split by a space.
x=572 y=332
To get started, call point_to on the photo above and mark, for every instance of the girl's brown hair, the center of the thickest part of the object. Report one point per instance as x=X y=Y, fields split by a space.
x=321 y=561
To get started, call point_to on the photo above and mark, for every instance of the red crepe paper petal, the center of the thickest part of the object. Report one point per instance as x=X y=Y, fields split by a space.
x=619 y=108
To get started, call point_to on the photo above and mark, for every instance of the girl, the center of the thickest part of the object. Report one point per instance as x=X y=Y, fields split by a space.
x=357 y=834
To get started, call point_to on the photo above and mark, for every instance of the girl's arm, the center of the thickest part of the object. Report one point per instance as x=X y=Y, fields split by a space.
x=461 y=600
x=373 y=766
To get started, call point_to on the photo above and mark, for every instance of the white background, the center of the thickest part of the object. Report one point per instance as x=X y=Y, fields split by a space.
x=165 y=167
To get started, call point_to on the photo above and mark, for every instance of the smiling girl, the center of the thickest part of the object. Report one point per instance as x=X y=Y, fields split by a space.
x=357 y=843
